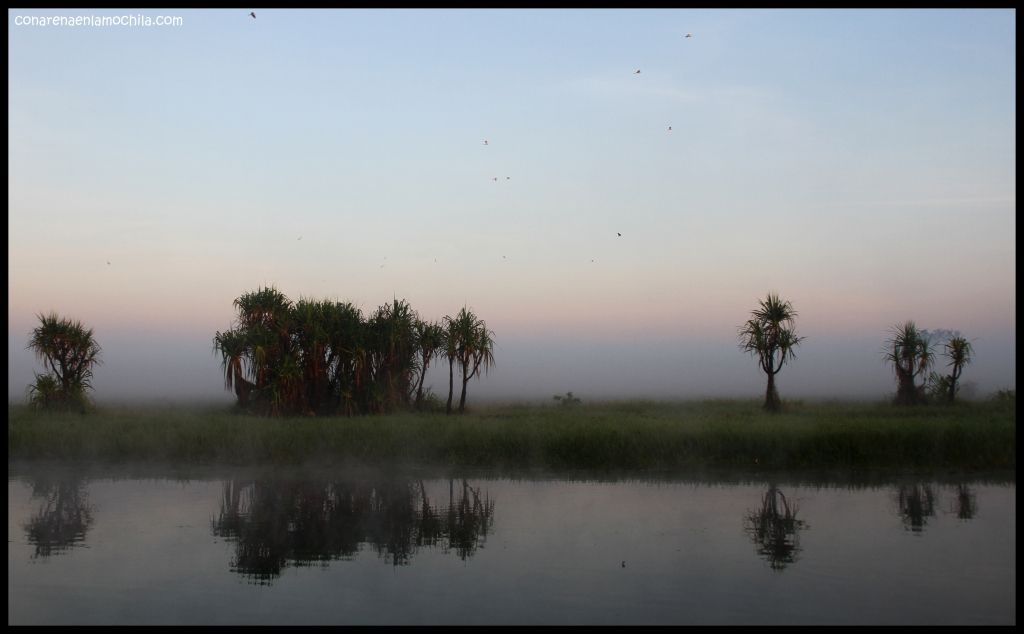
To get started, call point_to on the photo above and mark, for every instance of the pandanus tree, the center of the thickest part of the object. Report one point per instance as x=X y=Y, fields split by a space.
x=69 y=351
x=909 y=351
x=344 y=326
x=450 y=349
x=309 y=328
x=430 y=341
x=233 y=346
x=472 y=345
x=770 y=335
x=960 y=353
x=260 y=343
x=392 y=354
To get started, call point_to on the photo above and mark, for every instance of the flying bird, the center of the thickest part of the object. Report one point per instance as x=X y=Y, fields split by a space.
x=508 y=178
x=108 y=262
x=300 y=237
x=670 y=128
x=485 y=141
x=637 y=72
x=688 y=35
x=495 y=179
x=253 y=14
x=620 y=235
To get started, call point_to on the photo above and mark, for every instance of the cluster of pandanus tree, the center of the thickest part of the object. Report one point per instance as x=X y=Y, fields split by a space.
x=319 y=357
x=770 y=335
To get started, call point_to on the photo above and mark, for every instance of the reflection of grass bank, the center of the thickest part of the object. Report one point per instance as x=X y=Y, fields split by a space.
x=627 y=435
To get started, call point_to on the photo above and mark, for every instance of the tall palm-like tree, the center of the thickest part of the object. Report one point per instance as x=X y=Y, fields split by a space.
x=960 y=353
x=260 y=341
x=233 y=347
x=429 y=341
x=909 y=351
x=264 y=315
x=392 y=353
x=344 y=326
x=309 y=331
x=770 y=335
x=69 y=351
x=474 y=347
x=450 y=347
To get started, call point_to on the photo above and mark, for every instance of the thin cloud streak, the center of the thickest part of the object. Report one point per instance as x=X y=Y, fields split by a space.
x=926 y=202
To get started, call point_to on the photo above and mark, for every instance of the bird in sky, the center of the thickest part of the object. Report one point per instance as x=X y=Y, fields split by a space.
x=620 y=235
x=495 y=179
x=485 y=141
x=108 y=262
x=253 y=14
x=670 y=128
x=300 y=237
x=508 y=178
x=637 y=72
x=688 y=35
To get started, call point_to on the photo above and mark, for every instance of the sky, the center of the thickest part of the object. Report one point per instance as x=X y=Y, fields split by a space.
x=859 y=163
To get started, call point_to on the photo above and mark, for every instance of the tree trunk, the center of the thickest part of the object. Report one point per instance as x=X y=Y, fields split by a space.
x=462 y=400
x=419 y=387
x=242 y=390
x=906 y=392
x=451 y=384
x=772 y=403
x=952 y=383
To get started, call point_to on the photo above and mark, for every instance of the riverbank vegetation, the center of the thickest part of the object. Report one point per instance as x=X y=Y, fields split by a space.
x=613 y=435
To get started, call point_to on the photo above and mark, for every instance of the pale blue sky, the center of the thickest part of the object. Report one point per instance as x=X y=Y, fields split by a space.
x=859 y=162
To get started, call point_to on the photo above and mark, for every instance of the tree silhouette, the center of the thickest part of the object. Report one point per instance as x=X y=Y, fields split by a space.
x=771 y=336
x=69 y=351
x=910 y=353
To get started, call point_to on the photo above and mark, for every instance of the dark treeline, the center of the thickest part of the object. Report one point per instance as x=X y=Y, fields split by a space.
x=320 y=357
x=317 y=357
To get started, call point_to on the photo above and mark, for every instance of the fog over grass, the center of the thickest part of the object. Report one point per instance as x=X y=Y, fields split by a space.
x=182 y=369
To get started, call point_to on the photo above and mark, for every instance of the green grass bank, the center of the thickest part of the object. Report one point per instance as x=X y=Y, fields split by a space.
x=614 y=435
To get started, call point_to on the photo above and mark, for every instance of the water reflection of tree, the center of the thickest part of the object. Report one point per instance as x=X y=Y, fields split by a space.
x=964 y=504
x=469 y=519
x=774 y=528
x=916 y=504
x=275 y=524
x=63 y=518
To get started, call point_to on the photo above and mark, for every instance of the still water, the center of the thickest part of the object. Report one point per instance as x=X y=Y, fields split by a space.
x=344 y=547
